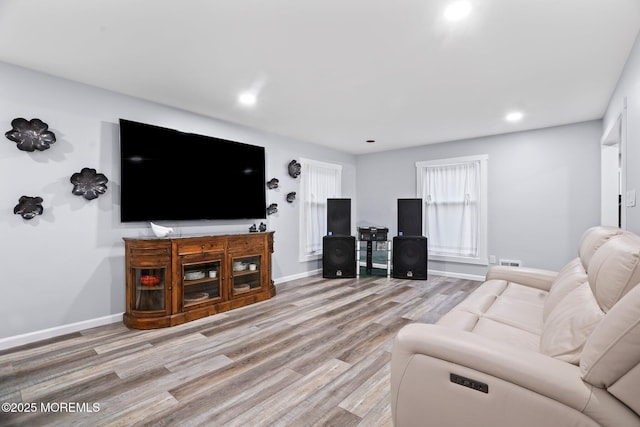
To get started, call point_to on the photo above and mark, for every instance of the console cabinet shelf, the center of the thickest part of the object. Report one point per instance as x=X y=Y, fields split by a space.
x=175 y=280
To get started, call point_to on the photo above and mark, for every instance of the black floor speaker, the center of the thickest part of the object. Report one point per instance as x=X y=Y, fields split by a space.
x=409 y=217
x=338 y=257
x=339 y=217
x=410 y=257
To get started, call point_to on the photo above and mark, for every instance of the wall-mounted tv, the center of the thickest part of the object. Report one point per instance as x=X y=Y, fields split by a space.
x=171 y=175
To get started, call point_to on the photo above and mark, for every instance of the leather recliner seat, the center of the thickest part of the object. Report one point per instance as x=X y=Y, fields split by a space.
x=531 y=347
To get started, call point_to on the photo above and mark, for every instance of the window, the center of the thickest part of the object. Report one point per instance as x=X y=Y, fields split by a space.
x=318 y=182
x=454 y=193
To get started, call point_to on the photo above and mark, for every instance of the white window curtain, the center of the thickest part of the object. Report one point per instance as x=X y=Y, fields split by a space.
x=454 y=196
x=319 y=181
x=451 y=201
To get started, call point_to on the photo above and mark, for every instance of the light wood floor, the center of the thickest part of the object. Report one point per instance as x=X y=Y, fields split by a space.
x=317 y=354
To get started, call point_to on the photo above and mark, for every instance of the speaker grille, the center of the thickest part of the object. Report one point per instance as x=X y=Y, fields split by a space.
x=338 y=257
x=339 y=217
x=410 y=257
x=409 y=217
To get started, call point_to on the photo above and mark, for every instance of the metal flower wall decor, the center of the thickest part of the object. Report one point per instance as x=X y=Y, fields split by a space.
x=88 y=183
x=28 y=207
x=294 y=169
x=272 y=208
x=31 y=134
x=291 y=197
x=273 y=183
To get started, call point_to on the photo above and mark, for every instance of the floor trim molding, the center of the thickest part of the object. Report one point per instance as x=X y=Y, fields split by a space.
x=30 y=337
x=57 y=331
x=297 y=276
x=457 y=275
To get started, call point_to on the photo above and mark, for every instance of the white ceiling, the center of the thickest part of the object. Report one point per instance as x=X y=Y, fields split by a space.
x=339 y=72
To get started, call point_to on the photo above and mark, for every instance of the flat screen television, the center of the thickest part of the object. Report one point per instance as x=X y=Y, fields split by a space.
x=171 y=175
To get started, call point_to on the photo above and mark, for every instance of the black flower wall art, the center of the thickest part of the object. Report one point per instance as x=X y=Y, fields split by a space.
x=28 y=207
x=272 y=208
x=272 y=183
x=88 y=183
x=294 y=169
x=31 y=134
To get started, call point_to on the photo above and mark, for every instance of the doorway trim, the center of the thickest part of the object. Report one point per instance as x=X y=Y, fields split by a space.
x=613 y=181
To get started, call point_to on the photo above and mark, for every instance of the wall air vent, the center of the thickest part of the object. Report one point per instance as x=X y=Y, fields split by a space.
x=510 y=262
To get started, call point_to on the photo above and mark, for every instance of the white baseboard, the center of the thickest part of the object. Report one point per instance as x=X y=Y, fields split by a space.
x=30 y=337
x=57 y=331
x=44 y=334
x=434 y=272
x=457 y=275
x=297 y=276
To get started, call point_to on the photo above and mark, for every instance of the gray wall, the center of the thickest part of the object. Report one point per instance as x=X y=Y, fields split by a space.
x=629 y=87
x=67 y=266
x=544 y=191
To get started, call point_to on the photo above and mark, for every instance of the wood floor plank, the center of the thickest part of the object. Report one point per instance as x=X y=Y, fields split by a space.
x=36 y=392
x=277 y=408
x=317 y=405
x=317 y=354
x=380 y=414
x=138 y=410
x=365 y=397
x=334 y=417
x=225 y=402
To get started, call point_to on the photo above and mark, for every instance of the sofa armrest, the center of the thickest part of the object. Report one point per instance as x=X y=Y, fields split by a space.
x=523 y=388
x=444 y=377
x=533 y=277
x=558 y=380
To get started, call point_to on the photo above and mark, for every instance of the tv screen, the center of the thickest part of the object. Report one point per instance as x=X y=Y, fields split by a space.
x=172 y=175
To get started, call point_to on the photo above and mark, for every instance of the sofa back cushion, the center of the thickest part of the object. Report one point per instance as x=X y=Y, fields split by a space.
x=575 y=272
x=611 y=356
x=570 y=324
x=570 y=277
x=614 y=269
x=592 y=239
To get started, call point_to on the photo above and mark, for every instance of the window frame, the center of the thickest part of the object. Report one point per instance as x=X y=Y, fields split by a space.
x=482 y=258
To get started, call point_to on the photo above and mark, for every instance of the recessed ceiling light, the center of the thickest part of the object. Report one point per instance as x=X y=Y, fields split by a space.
x=247 y=98
x=457 y=11
x=514 y=117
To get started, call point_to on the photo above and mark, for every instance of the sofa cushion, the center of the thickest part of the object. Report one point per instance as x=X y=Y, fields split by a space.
x=501 y=310
x=592 y=239
x=459 y=319
x=465 y=315
x=519 y=306
x=507 y=334
x=613 y=349
x=483 y=297
x=570 y=277
x=504 y=302
x=569 y=325
x=614 y=269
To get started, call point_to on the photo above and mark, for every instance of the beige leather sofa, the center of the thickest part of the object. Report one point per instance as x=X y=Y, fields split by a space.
x=531 y=347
